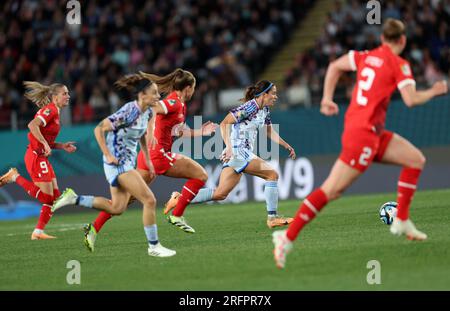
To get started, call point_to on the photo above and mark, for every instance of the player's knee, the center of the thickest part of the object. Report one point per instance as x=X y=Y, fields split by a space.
x=272 y=176
x=149 y=202
x=116 y=209
x=203 y=176
x=421 y=160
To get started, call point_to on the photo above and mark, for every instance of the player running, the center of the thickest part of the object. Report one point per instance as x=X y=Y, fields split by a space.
x=124 y=129
x=239 y=131
x=365 y=139
x=44 y=129
x=170 y=115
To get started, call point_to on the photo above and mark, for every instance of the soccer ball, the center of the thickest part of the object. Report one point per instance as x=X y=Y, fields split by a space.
x=388 y=211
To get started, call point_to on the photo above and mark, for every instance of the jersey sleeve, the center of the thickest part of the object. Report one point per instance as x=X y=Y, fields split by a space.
x=245 y=111
x=169 y=105
x=46 y=114
x=124 y=116
x=355 y=58
x=403 y=74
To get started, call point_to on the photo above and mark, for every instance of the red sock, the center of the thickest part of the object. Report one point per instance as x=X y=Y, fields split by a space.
x=310 y=207
x=34 y=191
x=190 y=190
x=407 y=184
x=100 y=220
x=45 y=216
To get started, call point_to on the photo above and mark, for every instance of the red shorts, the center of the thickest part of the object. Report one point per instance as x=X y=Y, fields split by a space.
x=360 y=148
x=162 y=161
x=38 y=167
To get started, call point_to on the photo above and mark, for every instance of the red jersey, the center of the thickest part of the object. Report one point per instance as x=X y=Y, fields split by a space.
x=167 y=125
x=379 y=72
x=49 y=129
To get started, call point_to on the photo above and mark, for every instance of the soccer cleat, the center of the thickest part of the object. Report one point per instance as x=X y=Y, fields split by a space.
x=9 y=177
x=158 y=250
x=407 y=228
x=180 y=223
x=278 y=221
x=41 y=236
x=90 y=234
x=282 y=247
x=172 y=202
x=68 y=197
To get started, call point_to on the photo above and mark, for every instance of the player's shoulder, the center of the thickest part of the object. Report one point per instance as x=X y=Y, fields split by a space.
x=48 y=110
x=172 y=100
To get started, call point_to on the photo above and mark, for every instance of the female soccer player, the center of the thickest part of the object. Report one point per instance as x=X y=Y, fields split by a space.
x=365 y=139
x=124 y=129
x=44 y=129
x=169 y=121
x=238 y=157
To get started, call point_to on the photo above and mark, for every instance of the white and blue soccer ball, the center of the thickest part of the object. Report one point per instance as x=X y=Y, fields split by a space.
x=388 y=211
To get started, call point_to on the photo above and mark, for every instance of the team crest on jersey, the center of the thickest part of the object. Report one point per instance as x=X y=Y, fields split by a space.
x=172 y=102
x=46 y=112
x=406 y=69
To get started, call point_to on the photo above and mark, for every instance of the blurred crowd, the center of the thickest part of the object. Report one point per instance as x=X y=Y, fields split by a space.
x=225 y=43
x=428 y=47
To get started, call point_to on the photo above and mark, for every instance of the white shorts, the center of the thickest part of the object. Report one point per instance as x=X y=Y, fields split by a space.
x=241 y=158
x=112 y=172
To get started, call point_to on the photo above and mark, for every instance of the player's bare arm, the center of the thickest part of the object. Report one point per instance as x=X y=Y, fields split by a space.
x=144 y=147
x=99 y=132
x=274 y=136
x=207 y=129
x=225 y=127
x=34 y=126
x=67 y=146
x=151 y=139
x=327 y=106
x=412 y=97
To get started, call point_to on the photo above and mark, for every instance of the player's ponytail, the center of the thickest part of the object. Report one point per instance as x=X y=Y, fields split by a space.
x=41 y=94
x=256 y=90
x=177 y=80
x=135 y=83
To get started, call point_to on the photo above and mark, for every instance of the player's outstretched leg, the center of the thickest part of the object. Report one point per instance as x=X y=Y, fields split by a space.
x=271 y=195
x=68 y=197
x=181 y=223
x=90 y=234
x=406 y=227
x=9 y=177
x=282 y=246
x=170 y=205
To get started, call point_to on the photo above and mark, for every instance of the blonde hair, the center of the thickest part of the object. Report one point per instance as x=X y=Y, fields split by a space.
x=177 y=80
x=41 y=94
x=393 y=29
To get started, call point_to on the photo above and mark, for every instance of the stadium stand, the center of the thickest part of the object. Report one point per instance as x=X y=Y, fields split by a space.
x=224 y=43
x=346 y=28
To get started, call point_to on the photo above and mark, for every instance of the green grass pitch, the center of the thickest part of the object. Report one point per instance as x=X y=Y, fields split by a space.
x=232 y=250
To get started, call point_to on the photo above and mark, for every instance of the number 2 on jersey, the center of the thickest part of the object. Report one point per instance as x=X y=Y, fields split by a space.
x=364 y=85
x=365 y=155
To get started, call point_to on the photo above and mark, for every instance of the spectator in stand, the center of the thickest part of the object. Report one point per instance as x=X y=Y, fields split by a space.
x=117 y=37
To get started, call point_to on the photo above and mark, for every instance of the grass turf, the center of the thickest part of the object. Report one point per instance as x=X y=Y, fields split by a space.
x=232 y=250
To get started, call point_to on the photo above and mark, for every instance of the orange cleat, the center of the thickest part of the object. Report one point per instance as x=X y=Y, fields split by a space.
x=278 y=221
x=9 y=177
x=170 y=205
x=41 y=236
